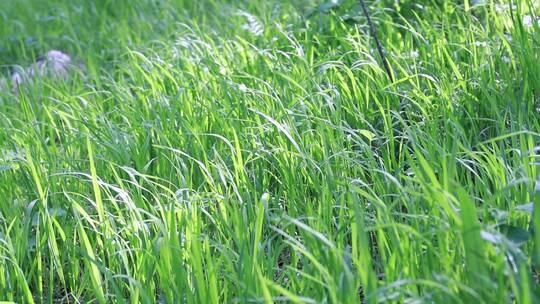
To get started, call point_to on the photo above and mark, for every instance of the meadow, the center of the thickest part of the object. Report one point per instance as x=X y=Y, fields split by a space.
x=258 y=152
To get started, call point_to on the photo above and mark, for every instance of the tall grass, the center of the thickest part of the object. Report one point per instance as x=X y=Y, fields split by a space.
x=256 y=151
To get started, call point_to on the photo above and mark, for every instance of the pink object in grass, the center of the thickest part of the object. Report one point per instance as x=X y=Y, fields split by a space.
x=53 y=64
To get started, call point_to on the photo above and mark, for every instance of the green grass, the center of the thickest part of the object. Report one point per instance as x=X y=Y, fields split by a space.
x=257 y=152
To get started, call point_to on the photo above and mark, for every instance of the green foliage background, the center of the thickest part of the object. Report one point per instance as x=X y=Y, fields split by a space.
x=256 y=151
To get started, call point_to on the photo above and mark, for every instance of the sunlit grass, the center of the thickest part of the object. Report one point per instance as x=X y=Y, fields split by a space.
x=235 y=152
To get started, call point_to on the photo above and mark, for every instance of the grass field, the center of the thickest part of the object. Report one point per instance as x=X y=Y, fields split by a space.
x=257 y=152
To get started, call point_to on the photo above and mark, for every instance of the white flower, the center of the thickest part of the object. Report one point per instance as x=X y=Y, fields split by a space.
x=501 y=8
x=527 y=20
x=480 y=43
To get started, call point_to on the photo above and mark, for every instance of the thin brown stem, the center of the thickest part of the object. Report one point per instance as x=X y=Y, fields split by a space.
x=375 y=36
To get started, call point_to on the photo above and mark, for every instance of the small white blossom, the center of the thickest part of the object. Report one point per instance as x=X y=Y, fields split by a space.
x=480 y=43
x=501 y=8
x=242 y=87
x=527 y=20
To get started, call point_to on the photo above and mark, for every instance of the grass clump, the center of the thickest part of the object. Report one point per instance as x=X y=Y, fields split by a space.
x=223 y=151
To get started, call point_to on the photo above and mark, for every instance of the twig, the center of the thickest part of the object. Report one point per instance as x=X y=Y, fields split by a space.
x=375 y=36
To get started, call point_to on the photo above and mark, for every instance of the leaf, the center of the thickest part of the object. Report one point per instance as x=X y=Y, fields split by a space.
x=325 y=7
x=5 y=168
x=354 y=15
x=526 y=208
x=368 y=134
x=91 y=264
x=515 y=234
x=495 y=239
x=329 y=5
x=472 y=240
